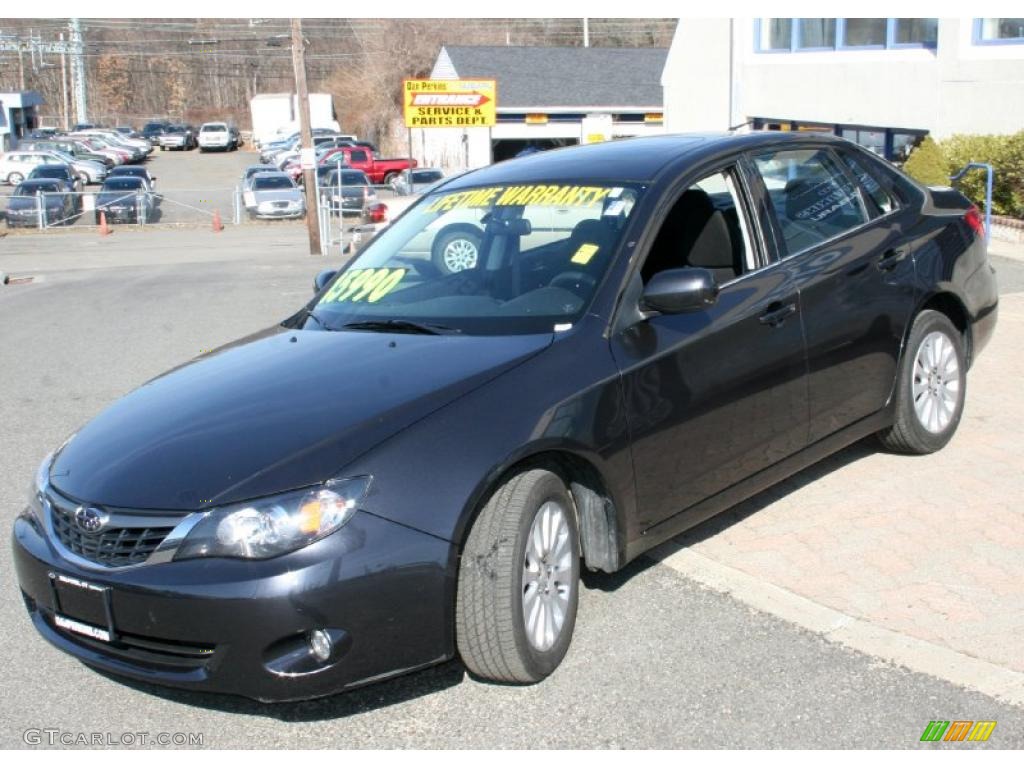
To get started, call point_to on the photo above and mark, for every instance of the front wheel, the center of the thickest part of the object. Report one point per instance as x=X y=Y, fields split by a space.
x=931 y=388
x=518 y=585
x=15 y=179
x=456 y=249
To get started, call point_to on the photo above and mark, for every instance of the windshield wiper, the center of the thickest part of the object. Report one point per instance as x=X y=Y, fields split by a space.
x=401 y=326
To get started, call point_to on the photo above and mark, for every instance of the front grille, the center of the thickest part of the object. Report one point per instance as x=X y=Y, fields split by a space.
x=112 y=547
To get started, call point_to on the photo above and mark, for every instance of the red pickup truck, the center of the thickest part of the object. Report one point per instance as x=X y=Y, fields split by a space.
x=378 y=171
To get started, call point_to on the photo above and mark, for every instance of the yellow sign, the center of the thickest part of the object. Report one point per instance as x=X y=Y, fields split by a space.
x=449 y=103
x=585 y=253
x=359 y=284
x=562 y=196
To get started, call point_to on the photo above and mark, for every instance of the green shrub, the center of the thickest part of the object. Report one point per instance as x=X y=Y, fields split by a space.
x=927 y=163
x=1005 y=153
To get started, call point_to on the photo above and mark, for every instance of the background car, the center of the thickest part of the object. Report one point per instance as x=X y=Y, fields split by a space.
x=346 y=190
x=217 y=136
x=125 y=199
x=153 y=130
x=274 y=196
x=66 y=175
x=50 y=195
x=417 y=181
x=181 y=137
x=136 y=171
x=247 y=175
x=69 y=147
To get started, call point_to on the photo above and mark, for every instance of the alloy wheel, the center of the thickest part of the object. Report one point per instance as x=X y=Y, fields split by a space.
x=936 y=382
x=547 y=576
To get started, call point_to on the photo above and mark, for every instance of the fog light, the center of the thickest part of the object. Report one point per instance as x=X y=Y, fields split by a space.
x=320 y=644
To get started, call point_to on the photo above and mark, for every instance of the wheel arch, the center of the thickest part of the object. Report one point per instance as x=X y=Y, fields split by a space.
x=599 y=518
x=952 y=306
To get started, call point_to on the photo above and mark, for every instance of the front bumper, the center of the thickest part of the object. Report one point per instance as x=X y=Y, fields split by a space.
x=232 y=626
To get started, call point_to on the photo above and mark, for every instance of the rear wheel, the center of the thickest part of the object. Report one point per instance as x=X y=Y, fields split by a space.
x=518 y=584
x=15 y=178
x=456 y=249
x=931 y=388
x=389 y=178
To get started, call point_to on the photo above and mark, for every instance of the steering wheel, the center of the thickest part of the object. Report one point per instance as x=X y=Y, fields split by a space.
x=578 y=282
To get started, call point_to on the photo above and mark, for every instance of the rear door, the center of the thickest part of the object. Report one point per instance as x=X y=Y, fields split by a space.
x=843 y=236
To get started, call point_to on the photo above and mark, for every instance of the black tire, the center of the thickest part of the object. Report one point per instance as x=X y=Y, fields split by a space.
x=446 y=237
x=908 y=434
x=490 y=627
x=389 y=178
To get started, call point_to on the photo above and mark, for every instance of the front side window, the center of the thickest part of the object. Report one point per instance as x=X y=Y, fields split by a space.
x=705 y=228
x=994 y=30
x=496 y=260
x=358 y=156
x=812 y=197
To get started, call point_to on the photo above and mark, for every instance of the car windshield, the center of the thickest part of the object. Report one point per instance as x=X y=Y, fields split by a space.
x=496 y=260
x=426 y=177
x=123 y=182
x=272 y=182
x=213 y=128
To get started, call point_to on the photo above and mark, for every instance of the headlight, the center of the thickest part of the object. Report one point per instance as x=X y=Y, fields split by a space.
x=277 y=524
x=38 y=488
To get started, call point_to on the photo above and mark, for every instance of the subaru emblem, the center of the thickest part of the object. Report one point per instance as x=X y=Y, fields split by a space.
x=90 y=519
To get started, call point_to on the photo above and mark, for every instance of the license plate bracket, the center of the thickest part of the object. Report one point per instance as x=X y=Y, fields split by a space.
x=82 y=607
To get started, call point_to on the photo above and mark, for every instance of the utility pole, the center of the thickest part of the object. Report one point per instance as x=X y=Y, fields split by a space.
x=78 y=72
x=306 y=152
x=64 y=83
x=586 y=32
x=21 y=67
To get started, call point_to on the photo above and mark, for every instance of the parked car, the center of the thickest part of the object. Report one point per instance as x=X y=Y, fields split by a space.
x=16 y=165
x=68 y=147
x=346 y=190
x=730 y=310
x=377 y=170
x=57 y=204
x=136 y=171
x=153 y=130
x=247 y=175
x=86 y=144
x=217 y=136
x=119 y=154
x=139 y=149
x=416 y=181
x=65 y=174
x=125 y=199
x=274 y=196
x=181 y=137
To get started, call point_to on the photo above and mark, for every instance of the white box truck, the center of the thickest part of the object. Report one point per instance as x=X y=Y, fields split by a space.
x=277 y=114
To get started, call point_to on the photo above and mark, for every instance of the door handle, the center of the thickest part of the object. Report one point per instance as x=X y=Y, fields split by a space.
x=777 y=313
x=891 y=258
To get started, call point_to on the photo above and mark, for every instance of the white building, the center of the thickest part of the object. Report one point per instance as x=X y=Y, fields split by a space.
x=882 y=82
x=546 y=97
x=18 y=116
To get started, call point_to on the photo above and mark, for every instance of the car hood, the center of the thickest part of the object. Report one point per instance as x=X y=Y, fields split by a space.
x=278 y=410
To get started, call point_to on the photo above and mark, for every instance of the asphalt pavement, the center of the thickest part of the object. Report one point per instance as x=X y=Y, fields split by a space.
x=657 y=660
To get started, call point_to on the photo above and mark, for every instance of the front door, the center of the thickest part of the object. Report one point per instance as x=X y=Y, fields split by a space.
x=713 y=396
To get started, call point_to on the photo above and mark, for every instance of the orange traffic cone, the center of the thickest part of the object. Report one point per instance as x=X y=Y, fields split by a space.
x=104 y=229
x=218 y=225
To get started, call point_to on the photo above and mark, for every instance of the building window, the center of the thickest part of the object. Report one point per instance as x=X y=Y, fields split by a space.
x=999 y=30
x=865 y=33
x=776 y=35
x=816 y=33
x=788 y=35
x=917 y=31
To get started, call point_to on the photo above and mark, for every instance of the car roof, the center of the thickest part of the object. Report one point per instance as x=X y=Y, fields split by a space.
x=40 y=182
x=638 y=160
x=272 y=175
x=129 y=170
x=52 y=167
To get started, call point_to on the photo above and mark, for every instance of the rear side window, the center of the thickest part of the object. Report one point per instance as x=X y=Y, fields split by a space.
x=358 y=156
x=883 y=202
x=813 y=198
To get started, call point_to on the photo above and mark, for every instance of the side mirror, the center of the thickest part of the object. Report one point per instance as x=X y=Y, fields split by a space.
x=674 y=291
x=323 y=279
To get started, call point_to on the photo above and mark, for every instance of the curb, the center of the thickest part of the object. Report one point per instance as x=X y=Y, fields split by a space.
x=910 y=652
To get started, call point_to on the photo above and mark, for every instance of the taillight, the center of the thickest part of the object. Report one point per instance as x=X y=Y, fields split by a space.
x=974 y=221
x=378 y=212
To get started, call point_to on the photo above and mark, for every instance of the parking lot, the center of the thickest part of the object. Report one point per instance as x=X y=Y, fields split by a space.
x=193 y=187
x=925 y=550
